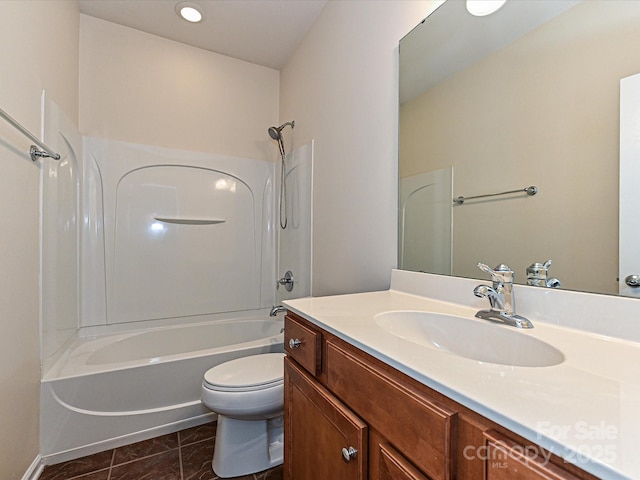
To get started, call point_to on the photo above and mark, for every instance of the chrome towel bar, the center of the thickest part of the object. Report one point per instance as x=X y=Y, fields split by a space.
x=532 y=190
x=34 y=152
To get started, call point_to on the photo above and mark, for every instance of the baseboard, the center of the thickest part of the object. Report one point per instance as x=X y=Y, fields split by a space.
x=35 y=469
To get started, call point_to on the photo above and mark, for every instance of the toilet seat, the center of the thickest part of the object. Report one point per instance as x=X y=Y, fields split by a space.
x=255 y=372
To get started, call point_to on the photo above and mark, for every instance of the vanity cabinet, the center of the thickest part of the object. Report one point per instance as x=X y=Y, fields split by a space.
x=348 y=415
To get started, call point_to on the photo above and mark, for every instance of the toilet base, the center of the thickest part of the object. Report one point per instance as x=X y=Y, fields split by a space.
x=247 y=446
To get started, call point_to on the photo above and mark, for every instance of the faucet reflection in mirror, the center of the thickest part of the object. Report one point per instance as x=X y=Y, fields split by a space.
x=538 y=275
x=501 y=298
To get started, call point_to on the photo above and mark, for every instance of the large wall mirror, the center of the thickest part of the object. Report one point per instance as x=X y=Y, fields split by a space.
x=527 y=96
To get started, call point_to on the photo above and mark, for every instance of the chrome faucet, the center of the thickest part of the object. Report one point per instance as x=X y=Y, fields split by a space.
x=538 y=275
x=501 y=298
x=275 y=310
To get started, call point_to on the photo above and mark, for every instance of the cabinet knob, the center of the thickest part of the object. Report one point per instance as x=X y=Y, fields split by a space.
x=295 y=343
x=349 y=453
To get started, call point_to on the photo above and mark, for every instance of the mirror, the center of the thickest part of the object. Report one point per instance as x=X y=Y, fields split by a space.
x=527 y=96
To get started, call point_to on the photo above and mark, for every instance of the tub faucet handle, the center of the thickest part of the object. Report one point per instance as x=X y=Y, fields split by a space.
x=287 y=281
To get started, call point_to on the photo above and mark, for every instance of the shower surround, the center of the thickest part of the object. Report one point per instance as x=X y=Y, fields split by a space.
x=172 y=271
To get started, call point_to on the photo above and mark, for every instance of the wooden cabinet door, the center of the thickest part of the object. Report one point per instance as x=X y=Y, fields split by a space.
x=393 y=466
x=507 y=460
x=418 y=427
x=319 y=431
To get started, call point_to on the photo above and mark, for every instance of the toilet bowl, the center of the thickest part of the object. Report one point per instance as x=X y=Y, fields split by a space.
x=248 y=395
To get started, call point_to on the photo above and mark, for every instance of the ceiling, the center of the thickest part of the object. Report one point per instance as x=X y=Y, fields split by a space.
x=264 y=32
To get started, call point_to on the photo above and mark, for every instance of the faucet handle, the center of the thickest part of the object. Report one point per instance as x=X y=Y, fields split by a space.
x=501 y=274
x=485 y=268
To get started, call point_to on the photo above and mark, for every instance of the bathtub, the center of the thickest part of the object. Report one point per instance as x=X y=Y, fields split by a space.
x=106 y=391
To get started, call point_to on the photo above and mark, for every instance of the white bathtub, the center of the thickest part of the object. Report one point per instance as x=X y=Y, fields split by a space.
x=111 y=390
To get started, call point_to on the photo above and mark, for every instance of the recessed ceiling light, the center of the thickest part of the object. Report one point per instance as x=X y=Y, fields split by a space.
x=481 y=8
x=190 y=12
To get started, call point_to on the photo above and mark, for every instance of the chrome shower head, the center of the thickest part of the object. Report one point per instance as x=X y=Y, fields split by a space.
x=274 y=132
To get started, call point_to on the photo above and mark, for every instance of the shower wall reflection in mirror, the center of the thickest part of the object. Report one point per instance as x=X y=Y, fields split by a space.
x=527 y=96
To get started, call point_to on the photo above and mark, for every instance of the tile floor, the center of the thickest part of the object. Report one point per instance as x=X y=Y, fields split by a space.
x=184 y=455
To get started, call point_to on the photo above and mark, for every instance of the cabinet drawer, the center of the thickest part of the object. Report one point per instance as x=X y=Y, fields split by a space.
x=508 y=460
x=394 y=466
x=303 y=344
x=412 y=423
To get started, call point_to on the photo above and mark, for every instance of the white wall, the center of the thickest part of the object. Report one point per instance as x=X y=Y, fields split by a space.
x=142 y=88
x=39 y=51
x=341 y=88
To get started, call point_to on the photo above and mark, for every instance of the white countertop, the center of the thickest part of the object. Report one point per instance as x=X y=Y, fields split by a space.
x=585 y=409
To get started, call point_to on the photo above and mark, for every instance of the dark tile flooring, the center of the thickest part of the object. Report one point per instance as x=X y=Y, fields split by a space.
x=184 y=455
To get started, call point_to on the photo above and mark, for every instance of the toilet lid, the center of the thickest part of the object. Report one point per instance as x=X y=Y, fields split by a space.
x=255 y=371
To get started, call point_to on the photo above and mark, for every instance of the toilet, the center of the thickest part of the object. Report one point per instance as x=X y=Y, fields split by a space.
x=248 y=395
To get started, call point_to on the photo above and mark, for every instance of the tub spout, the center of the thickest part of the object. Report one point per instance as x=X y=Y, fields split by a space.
x=275 y=310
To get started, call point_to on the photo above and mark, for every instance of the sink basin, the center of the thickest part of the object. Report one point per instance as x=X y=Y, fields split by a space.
x=470 y=338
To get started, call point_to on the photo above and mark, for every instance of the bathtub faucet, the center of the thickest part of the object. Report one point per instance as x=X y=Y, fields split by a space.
x=275 y=310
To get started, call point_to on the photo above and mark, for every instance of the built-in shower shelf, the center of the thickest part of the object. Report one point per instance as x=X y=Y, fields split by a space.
x=190 y=221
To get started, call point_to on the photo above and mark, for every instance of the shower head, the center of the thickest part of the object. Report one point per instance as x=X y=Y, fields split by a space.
x=274 y=132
